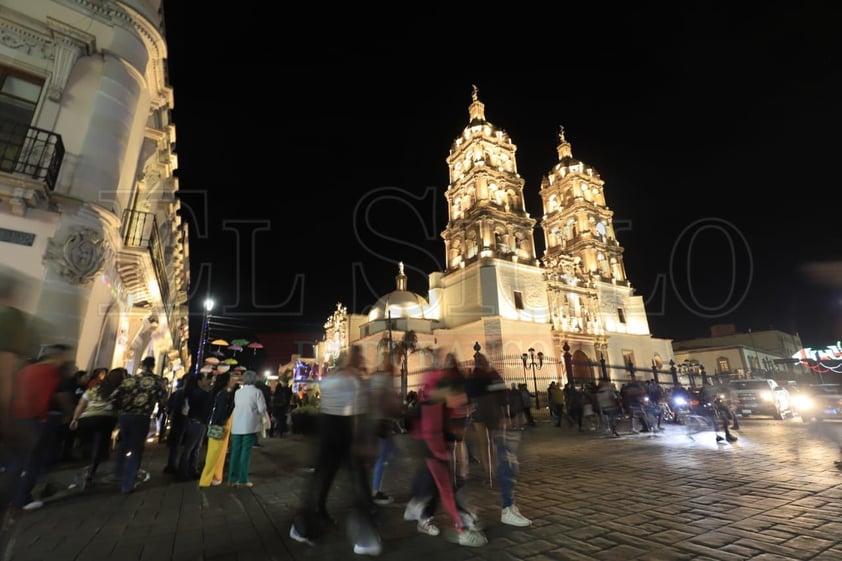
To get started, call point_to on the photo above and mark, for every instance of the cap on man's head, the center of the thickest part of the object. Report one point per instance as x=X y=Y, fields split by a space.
x=148 y=361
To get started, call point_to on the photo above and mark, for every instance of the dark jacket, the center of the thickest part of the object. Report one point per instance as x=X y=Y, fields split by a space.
x=221 y=408
x=488 y=392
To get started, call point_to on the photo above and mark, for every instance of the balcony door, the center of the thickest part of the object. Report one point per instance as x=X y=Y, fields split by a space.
x=19 y=95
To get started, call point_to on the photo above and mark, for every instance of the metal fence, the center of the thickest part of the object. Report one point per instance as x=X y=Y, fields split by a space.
x=537 y=374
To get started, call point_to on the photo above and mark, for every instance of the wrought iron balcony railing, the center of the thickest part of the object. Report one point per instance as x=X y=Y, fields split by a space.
x=30 y=151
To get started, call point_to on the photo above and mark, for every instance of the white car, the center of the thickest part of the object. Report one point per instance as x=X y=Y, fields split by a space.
x=760 y=396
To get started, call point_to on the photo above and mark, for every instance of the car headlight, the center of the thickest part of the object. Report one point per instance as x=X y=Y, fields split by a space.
x=678 y=400
x=803 y=402
x=766 y=396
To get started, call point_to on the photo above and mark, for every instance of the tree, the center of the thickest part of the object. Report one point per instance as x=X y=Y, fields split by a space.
x=408 y=344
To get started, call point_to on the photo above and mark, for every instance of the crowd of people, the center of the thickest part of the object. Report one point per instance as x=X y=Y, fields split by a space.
x=52 y=412
x=361 y=413
x=645 y=404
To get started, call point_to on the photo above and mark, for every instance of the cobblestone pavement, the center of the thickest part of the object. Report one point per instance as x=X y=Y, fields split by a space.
x=773 y=495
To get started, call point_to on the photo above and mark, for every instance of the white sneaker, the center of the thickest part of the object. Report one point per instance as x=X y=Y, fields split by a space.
x=293 y=533
x=34 y=505
x=414 y=509
x=472 y=538
x=426 y=526
x=373 y=549
x=512 y=516
x=470 y=521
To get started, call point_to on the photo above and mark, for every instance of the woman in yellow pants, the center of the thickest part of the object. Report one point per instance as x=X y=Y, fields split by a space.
x=222 y=403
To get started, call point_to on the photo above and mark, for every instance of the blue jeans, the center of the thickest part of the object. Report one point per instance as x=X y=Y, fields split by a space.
x=29 y=462
x=506 y=444
x=133 y=432
x=387 y=447
x=192 y=438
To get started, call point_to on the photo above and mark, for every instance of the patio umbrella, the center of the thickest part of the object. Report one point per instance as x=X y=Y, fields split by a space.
x=206 y=368
x=223 y=368
x=255 y=346
x=212 y=360
x=240 y=342
x=230 y=361
x=235 y=348
x=220 y=342
x=218 y=353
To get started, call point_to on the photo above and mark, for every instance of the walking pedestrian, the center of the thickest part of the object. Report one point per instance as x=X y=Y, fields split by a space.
x=343 y=415
x=386 y=408
x=135 y=398
x=492 y=412
x=94 y=420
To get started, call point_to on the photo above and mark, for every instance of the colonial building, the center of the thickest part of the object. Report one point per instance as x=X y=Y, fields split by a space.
x=573 y=308
x=728 y=354
x=88 y=207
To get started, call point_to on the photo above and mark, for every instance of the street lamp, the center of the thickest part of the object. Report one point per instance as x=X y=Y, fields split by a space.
x=203 y=335
x=529 y=361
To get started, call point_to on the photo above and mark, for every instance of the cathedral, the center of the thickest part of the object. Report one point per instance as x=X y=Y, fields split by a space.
x=573 y=308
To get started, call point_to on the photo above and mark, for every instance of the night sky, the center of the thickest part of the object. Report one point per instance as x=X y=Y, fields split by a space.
x=312 y=152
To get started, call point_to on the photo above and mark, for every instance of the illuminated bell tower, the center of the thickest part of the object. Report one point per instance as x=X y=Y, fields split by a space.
x=486 y=212
x=581 y=248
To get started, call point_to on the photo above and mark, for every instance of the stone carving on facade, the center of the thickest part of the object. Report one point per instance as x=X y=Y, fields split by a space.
x=78 y=257
x=16 y=37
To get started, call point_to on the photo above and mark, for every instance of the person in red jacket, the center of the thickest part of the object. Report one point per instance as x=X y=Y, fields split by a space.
x=443 y=406
x=36 y=397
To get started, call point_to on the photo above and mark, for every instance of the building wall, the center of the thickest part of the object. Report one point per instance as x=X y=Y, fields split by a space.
x=105 y=96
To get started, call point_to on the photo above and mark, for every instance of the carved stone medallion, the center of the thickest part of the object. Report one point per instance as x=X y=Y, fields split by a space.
x=77 y=258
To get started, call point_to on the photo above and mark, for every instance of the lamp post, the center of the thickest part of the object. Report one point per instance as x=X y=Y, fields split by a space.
x=529 y=361
x=203 y=335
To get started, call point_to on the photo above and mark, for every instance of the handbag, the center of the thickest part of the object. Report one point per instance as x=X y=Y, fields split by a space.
x=217 y=432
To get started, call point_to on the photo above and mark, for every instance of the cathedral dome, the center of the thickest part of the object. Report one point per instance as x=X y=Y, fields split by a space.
x=400 y=303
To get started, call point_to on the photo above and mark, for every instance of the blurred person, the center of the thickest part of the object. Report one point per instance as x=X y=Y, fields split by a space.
x=557 y=405
x=574 y=405
x=610 y=405
x=247 y=421
x=67 y=440
x=38 y=407
x=635 y=395
x=526 y=398
x=177 y=415
x=717 y=411
x=198 y=402
x=135 y=398
x=386 y=409
x=222 y=405
x=94 y=419
x=491 y=411
x=281 y=401
x=343 y=416
x=98 y=374
x=267 y=398
x=14 y=326
x=443 y=418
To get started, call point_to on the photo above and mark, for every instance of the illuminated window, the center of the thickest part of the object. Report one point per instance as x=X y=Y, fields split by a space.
x=519 y=300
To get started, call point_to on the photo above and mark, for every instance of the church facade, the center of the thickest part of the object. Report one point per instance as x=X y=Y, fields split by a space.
x=573 y=307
